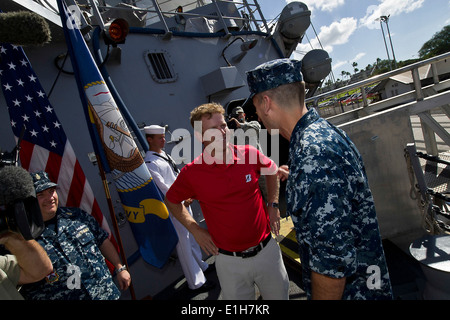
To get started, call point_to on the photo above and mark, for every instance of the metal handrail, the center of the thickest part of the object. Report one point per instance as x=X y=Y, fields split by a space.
x=415 y=100
x=160 y=14
x=156 y=10
x=366 y=82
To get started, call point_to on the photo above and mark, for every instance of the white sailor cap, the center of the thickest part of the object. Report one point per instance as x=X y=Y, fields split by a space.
x=154 y=129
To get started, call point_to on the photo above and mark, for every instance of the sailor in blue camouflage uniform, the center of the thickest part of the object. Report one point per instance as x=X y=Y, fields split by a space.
x=72 y=239
x=327 y=192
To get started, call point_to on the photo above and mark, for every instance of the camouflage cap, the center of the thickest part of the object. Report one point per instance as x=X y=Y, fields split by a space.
x=42 y=181
x=272 y=74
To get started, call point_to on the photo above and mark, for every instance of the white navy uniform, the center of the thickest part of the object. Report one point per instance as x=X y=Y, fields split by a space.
x=188 y=250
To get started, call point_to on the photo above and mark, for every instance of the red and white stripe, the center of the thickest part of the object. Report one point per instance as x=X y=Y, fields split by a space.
x=73 y=188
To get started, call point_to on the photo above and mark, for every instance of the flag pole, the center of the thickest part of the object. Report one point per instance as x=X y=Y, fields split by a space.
x=151 y=225
x=115 y=225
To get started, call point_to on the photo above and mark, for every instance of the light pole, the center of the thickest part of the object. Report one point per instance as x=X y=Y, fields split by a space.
x=385 y=19
x=385 y=44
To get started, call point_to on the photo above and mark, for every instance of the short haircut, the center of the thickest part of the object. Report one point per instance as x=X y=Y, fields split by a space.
x=207 y=109
x=285 y=94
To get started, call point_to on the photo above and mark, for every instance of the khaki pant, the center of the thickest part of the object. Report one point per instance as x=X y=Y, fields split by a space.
x=238 y=276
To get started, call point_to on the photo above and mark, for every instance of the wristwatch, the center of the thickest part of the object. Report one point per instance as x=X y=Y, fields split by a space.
x=273 y=204
x=117 y=271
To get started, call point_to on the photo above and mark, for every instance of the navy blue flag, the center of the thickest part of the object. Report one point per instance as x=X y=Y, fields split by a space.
x=119 y=155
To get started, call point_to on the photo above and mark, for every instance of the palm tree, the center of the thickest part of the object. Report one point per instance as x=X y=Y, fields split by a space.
x=354 y=65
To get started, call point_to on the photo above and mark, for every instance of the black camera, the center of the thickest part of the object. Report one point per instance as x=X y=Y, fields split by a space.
x=22 y=216
x=8 y=159
x=231 y=124
x=19 y=208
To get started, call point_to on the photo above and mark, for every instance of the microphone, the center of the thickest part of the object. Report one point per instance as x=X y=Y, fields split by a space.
x=19 y=208
x=15 y=184
x=24 y=28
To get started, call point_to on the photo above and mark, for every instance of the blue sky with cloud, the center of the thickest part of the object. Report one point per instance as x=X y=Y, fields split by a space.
x=349 y=31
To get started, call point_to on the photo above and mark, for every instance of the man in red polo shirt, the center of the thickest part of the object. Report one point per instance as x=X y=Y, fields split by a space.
x=224 y=179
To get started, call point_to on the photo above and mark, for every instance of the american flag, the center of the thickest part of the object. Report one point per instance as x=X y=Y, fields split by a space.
x=44 y=144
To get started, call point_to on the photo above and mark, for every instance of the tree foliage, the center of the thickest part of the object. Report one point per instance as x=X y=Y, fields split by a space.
x=438 y=44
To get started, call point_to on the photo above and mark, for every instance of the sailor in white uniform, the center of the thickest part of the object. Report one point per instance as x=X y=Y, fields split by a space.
x=164 y=172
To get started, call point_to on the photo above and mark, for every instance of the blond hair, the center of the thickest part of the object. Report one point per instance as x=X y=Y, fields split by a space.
x=207 y=109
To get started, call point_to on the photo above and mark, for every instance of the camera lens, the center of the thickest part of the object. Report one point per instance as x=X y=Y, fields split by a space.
x=22 y=217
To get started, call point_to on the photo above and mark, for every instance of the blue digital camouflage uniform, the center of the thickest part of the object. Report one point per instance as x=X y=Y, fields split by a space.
x=333 y=212
x=79 y=268
x=328 y=197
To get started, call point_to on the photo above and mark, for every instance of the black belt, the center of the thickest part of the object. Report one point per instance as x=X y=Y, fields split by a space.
x=251 y=252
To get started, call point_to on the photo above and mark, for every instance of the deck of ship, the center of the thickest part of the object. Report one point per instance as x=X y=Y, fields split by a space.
x=406 y=276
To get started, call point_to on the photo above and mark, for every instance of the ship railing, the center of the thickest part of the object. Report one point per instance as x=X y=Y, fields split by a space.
x=429 y=181
x=248 y=13
x=420 y=101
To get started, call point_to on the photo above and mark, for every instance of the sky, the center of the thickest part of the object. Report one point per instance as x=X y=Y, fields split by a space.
x=349 y=32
